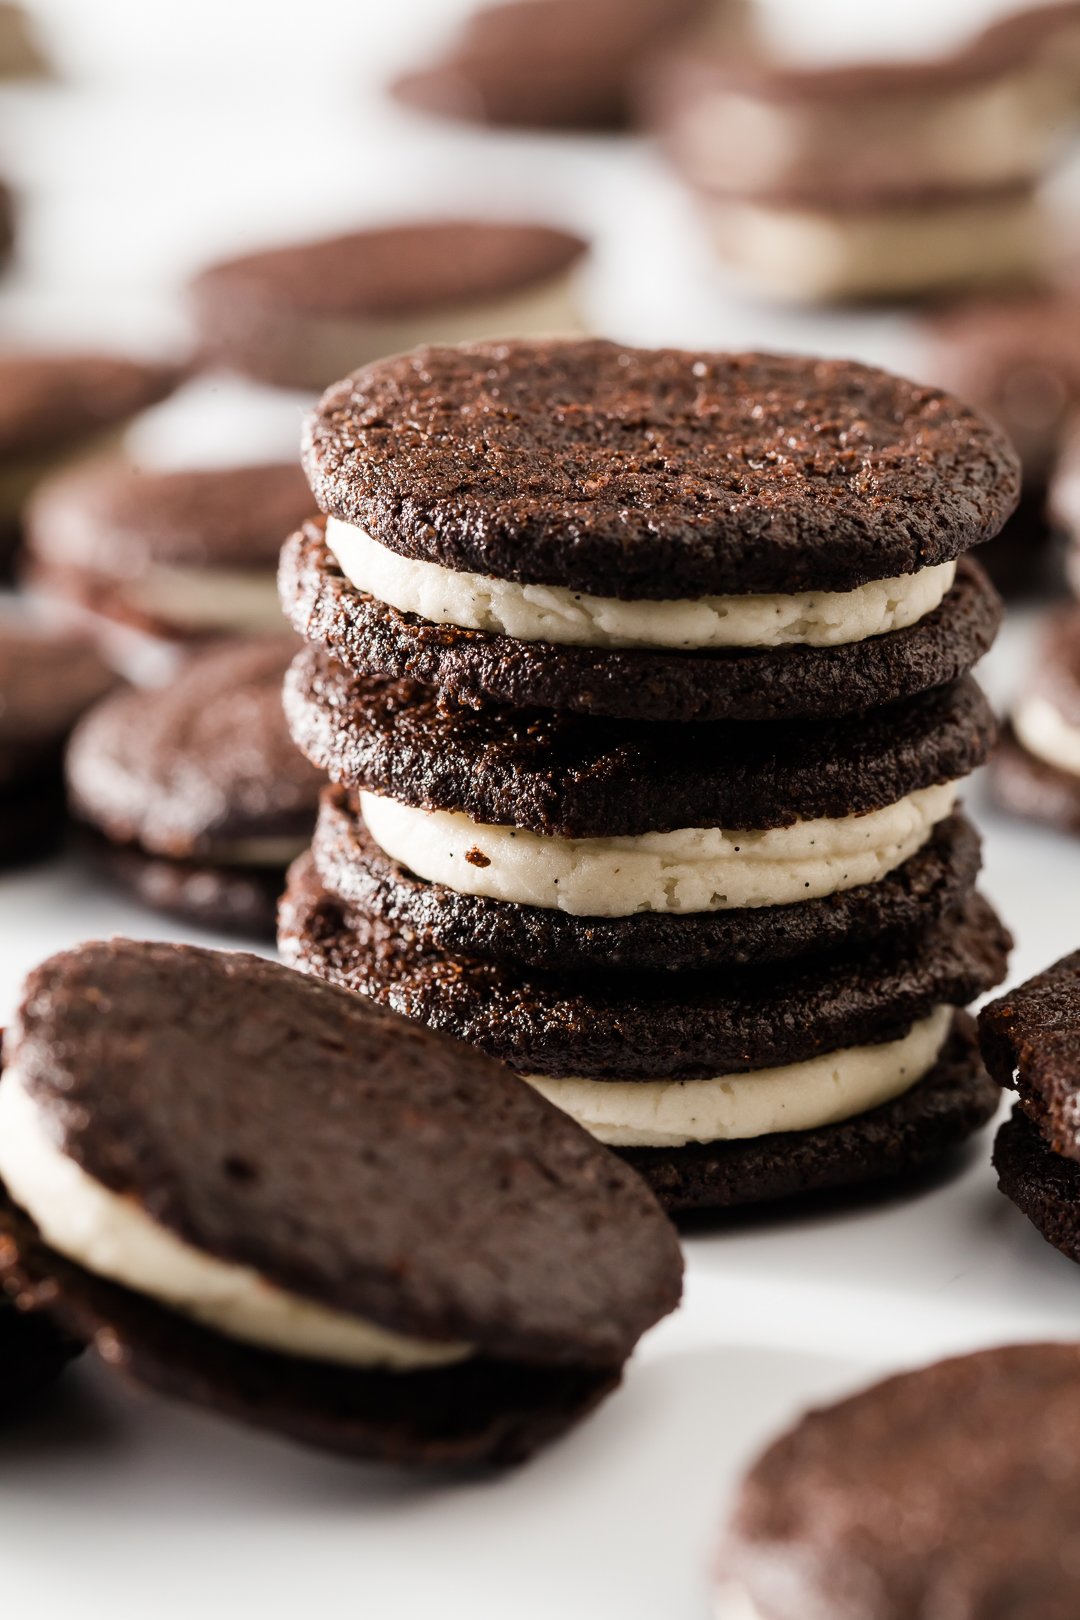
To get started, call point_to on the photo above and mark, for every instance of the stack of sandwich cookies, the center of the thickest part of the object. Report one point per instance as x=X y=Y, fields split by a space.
x=1030 y=1040
x=250 y=1191
x=182 y=555
x=197 y=797
x=698 y=527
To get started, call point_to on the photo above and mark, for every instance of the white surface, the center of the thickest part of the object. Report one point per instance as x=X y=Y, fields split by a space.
x=220 y=123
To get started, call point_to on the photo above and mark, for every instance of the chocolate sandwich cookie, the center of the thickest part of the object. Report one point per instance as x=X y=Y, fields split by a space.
x=951 y=1490
x=46 y=682
x=53 y=406
x=686 y=1027
x=196 y=795
x=322 y=1222
x=180 y=554
x=562 y=776
x=548 y=64
x=1031 y=1043
x=477 y=667
x=1036 y=771
x=904 y=903
x=304 y=315
x=785 y=1079
x=652 y=475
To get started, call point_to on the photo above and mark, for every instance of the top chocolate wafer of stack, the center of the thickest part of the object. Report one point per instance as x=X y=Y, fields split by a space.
x=642 y=678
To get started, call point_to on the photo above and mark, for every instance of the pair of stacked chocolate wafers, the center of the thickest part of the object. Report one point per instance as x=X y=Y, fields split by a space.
x=643 y=681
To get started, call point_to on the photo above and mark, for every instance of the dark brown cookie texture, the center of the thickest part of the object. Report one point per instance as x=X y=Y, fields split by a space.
x=340 y=1177
x=951 y=1490
x=547 y=64
x=475 y=668
x=910 y=900
x=1031 y=1042
x=95 y=532
x=177 y=781
x=581 y=777
x=662 y=473
x=646 y=1026
x=200 y=764
x=47 y=681
x=53 y=401
x=245 y=308
x=1044 y=1185
x=898 y=1140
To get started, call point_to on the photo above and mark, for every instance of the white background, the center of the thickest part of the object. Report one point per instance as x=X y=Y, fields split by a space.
x=186 y=130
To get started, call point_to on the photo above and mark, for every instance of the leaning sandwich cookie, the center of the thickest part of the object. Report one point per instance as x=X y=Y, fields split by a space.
x=322 y=1221
x=1036 y=771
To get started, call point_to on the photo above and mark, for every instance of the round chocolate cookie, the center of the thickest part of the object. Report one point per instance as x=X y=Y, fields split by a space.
x=645 y=1027
x=476 y=667
x=657 y=474
x=951 y=1491
x=580 y=777
x=914 y=897
x=303 y=315
x=515 y=1272
x=197 y=787
x=46 y=683
x=184 y=553
x=896 y=1140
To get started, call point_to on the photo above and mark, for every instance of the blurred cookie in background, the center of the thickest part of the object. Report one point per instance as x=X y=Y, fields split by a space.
x=179 y=555
x=197 y=795
x=22 y=55
x=549 y=64
x=54 y=406
x=830 y=182
x=952 y=1491
x=1049 y=35
x=1018 y=359
x=46 y=682
x=1036 y=770
x=303 y=316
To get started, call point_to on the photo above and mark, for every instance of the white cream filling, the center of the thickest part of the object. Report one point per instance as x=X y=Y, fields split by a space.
x=211 y=599
x=556 y=614
x=1045 y=732
x=692 y=869
x=736 y=1107
x=113 y=1237
x=804 y=255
